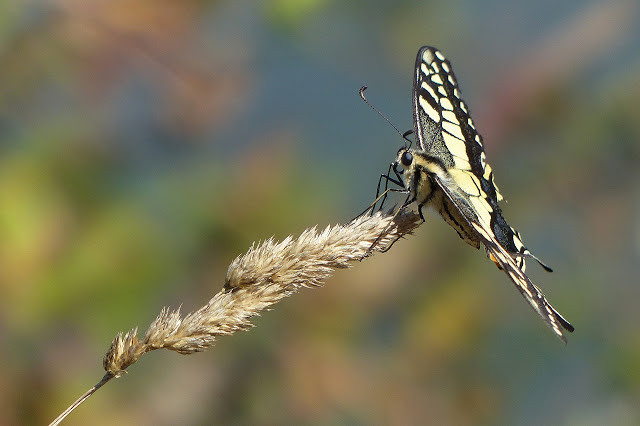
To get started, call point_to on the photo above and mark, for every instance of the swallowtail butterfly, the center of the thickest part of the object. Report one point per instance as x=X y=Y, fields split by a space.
x=448 y=171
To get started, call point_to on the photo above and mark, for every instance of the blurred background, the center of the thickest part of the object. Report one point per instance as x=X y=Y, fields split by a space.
x=144 y=145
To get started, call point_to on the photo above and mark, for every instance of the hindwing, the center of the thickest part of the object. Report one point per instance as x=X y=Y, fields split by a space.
x=505 y=261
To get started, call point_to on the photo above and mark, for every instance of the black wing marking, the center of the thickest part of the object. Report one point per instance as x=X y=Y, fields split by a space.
x=445 y=130
x=532 y=294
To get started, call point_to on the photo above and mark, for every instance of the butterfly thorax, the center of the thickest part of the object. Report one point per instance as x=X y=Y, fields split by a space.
x=419 y=171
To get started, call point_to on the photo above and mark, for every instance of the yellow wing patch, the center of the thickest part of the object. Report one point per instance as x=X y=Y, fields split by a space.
x=467 y=181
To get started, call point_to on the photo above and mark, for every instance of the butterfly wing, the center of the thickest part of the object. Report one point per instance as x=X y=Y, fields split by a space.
x=445 y=130
x=465 y=203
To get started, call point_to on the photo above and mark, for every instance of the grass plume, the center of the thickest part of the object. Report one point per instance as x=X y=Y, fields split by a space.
x=267 y=273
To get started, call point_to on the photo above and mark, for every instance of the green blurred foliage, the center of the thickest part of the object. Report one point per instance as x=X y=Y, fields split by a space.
x=144 y=145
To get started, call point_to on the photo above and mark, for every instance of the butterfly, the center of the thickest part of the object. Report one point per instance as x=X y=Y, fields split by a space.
x=448 y=171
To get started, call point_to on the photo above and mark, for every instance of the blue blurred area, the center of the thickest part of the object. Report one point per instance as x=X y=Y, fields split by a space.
x=144 y=145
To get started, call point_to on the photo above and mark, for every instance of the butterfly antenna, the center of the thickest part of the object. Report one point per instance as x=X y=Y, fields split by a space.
x=404 y=135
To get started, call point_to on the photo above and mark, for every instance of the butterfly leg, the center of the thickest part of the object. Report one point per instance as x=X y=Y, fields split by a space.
x=377 y=240
x=420 y=212
x=383 y=196
x=388 y=179
x=408 y=201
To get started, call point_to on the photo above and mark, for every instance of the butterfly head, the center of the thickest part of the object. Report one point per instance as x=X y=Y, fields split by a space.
x=405 y=158
x=411 y=159
x=404 y=162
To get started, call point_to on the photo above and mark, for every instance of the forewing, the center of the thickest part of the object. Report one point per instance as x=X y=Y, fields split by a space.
x=533 y=295
x=445 y=130
x=441 y=118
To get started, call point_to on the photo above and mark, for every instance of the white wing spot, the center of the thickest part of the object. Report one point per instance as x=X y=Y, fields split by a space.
x=521 y=263
x=449 y=116
x=487 y=169
x=446 y=67
x=452 y=80
x=446 y=104
x=499 y=196
x=518 y=243
x=483 y=160
x=429 y=89
x=439 y=55
x=436 y=79
x=428 y=56
x=430 y=111
x=463 y=107
x=470 y=123
x=453 y=129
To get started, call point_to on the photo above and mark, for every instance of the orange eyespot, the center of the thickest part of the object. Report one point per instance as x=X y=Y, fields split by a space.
x=492 y=257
